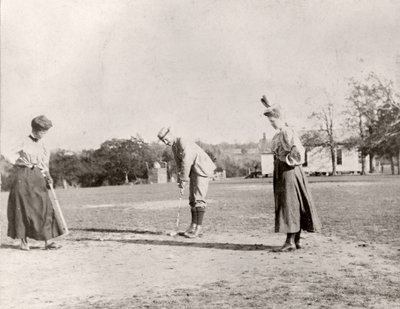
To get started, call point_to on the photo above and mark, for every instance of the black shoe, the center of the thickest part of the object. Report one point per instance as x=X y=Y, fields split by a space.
x=297 y=241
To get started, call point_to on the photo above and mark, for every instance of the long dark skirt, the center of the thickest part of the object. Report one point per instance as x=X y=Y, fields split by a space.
x=294 y=207
x=30 y=211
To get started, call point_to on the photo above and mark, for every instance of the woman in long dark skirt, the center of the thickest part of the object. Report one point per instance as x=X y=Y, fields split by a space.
x=30 y=212
x=294 y=207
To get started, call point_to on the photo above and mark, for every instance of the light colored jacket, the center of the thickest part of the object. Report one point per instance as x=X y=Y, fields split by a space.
x=190 y=157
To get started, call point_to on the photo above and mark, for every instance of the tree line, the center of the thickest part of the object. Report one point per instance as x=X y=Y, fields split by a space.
x=371 y=114
x=122 y=161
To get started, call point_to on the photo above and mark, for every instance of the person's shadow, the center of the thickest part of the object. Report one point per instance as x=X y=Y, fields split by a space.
x=176 y=241
x=16 y=247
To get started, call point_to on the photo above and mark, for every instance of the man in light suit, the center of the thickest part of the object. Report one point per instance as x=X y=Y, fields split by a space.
x=195 y=168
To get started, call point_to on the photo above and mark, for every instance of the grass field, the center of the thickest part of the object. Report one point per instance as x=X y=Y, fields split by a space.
x=118 y=232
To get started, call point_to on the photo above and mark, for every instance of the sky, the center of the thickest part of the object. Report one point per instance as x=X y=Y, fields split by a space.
x=102 y=69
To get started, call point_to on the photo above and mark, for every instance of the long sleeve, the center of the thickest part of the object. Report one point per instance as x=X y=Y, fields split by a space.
x=184 y=159
x=12 y=153
x=292 y=144
x=29 y=153
x=190 y=158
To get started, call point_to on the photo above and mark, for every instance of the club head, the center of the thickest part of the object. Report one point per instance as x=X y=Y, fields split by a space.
x=173 y=233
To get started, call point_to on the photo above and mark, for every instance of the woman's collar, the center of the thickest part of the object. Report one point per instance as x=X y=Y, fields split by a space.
x=33 y=138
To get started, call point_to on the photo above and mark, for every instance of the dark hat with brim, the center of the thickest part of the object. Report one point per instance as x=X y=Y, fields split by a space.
x=163 y=133
x=41 y=123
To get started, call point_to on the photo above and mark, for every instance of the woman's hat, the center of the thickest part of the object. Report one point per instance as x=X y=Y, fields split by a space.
x=272 y=110
x=41 y=123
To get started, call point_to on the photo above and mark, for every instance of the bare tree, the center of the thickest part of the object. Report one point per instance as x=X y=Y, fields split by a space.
x=356 y=117
x=325 y=117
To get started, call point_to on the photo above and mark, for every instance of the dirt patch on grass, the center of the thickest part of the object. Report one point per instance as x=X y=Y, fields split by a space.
x=119 y=256
x=119 y=270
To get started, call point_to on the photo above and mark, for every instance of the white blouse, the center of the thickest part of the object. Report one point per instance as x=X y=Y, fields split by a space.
x=30 y=153
x=287 y=147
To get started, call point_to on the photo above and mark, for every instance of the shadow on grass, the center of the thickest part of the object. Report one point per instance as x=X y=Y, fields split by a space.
x=208 y=245
x=6 y=246
x=174 y=241
x=136 y=231
x=17 y=247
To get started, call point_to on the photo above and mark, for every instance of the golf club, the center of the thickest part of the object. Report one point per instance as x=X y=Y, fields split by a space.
x=174 y=233
x=58 y=211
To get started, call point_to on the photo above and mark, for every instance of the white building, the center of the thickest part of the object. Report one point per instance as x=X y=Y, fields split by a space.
x=317 y=159
x=267 y=157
